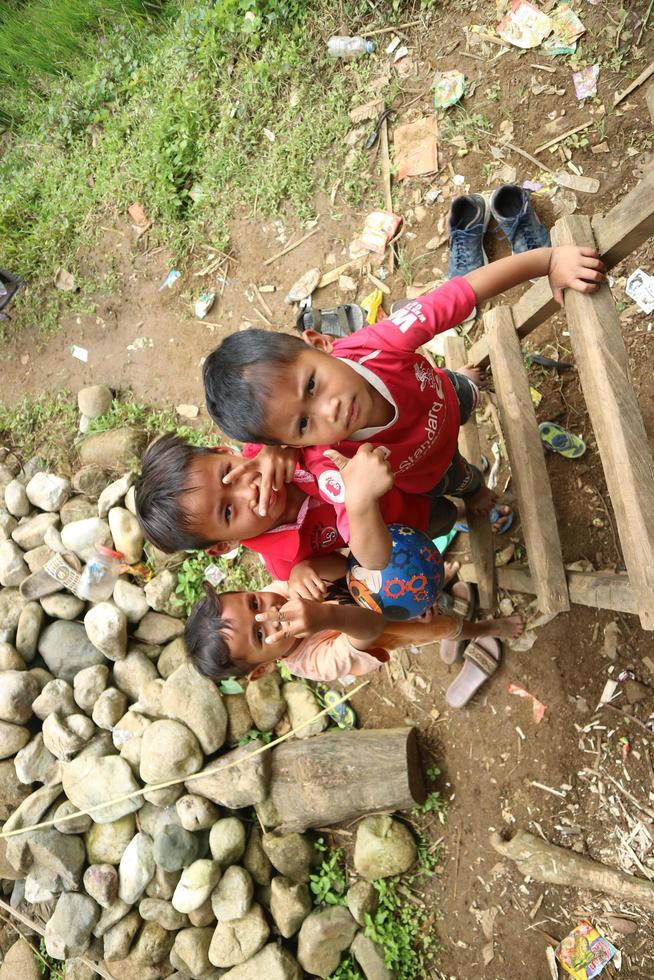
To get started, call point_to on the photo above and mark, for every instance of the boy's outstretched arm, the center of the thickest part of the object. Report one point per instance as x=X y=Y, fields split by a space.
x=305 y=617
x=366 y=477
x=566 y=266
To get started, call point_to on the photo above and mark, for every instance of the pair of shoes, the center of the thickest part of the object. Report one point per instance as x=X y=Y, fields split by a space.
x=468 y=220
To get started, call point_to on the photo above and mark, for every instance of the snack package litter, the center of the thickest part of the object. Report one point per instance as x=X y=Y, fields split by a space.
x=585 y=81
x=203 y=304
x=378 y=229
x=584 y=953
x=525 y=26
x=567 y=29
x=448 y=88
x=372 y=304
x=416 y=148
x=640 y=288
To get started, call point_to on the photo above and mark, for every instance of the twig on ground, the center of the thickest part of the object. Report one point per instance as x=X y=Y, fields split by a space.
x=289 y=248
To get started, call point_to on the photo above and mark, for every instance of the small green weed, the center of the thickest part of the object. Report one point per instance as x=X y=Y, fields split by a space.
x=245 y=573
x=254 y=735
x=42 y=426
x=329 y=883
x=47 y=965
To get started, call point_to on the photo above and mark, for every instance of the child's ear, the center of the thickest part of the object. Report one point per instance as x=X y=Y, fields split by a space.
x=318 y=340
x=261 y=670
x=221 y=548
x=223 y=449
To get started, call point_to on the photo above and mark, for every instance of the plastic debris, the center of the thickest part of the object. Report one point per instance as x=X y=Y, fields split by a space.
x=378 y=230
x=170 y=280
x=525 y=26
x=584 y=953
x=640 y=288
x=188 y=411
x=585 y=82
x=304 y=286
x=80 y=353
x=203 y=304
x=567 y=29
x=416 y=148
x=536 y=396
x=448 y=88
x=230 y=686
x=268 y=133
x=538 y=708
x=348 y=48
x=214 y=575
x=64 y=280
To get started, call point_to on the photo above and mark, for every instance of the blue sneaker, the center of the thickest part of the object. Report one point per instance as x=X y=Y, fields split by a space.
x=467 y=223
x=513 y=212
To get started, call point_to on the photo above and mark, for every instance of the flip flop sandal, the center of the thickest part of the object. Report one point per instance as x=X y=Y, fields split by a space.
x=342 y=713
x=482 y=657
x=458 y=603
x=59 y=572
x=341 y=321
x=561 y=441
x=493 y=517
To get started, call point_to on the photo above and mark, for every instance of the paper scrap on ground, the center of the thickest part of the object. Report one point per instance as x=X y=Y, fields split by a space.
x=538 y=707
x=448 y=88
x=525 y=26
x=640 y=288
x=80 y=353
x=416 y=148
x=567 y=29
x=584 y=953
x=585 y=82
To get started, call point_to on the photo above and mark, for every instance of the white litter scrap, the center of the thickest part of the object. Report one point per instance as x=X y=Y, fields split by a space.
x=80 y=353
x=640 y=288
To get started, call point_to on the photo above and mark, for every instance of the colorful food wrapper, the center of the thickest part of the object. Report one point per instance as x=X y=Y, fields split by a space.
x=203 y=304
x=584 y=953
x=448 y=88
x=567 y=28
x=586 y=81
x=640 y=288
x=372 y=304
x=379 y=228
x=416 y=148
x=538 y=708
x=525 y=26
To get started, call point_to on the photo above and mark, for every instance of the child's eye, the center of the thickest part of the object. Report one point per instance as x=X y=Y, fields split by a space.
x=260 y=635
x=303 y=425
x=228 y=513
x=311 y=385
x=255 y=602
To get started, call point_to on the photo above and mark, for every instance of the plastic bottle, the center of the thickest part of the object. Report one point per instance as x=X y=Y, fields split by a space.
x=99 y=575
x=349 y=48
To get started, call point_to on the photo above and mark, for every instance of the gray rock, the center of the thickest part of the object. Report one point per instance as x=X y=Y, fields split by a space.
x=36 y=764
x=110 y=916
x=91 y=781
x=12 y=793
x=12 y=739
x=66 y=650
x=127 y=534
x=163 y=885
x=106 y=842
x=114 y=493
x=169 y=751
x=226 y=840
x=68 y=931
x=10 y=659
x=152 y=946
x=106 y=628
x=101 y=883
x=256 y=860
x=323 y=937
x=290 y=904
x=173 y=656
x=11 y=605
x=197 y=813
x=89 y=684
x=94 y=401
x=57 y=858
x=17 y=691
x=31 y=534
x=291 y=854
x=265 y=701
x=232 y=897
x=13 y=569
x=163 y=797
x=30 y=812
x=128 y=737
x=133 y=673
x=38 y=888
x=63 y=605
x=157 y=910
x=29 y=627
x=118 y=940
x=239 y=719
x=114 y=450
x=82 y=536
x=303 y=709
x=190 y=954
x=242 y=785
x=160 y=594
x=235 y=942
x=136 y=868
x=57 y=695
x=175 y=848
x=153 y=819
x=195 y=885
x=158 y=629
x=383 y=847
x=272 y=962
x=362 y=900
x=109 y=708
x=65 y=736
x=131 y=599
x=47 y=491
x=370 y=957
x=196 y=701
x=66 y=823
x=90 y=481
x=16 y=500
x=7 y=524
x=78 y=509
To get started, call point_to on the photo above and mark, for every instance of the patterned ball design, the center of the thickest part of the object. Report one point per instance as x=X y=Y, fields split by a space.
x=409 y=584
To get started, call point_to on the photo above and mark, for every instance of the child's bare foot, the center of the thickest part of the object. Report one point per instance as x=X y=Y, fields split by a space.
x=506 y=628
x=475 y=374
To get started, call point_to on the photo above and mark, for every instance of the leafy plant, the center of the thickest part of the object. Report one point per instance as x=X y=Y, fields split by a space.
x=254 y=735
x=47 y=965
x=329 y=883
x=190 y=580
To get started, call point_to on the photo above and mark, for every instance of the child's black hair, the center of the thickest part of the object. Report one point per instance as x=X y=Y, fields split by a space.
x=164 y=477
x=238 y=380
x=204 y=635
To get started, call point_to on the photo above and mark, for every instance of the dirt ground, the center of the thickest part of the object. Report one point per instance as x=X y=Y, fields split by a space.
x=492 y=753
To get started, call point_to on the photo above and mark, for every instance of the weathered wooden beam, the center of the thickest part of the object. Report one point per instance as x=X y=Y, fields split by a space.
x=601 y=358
x=482 y=548
x=595 y=589
x=528 y=469
x=617 y=234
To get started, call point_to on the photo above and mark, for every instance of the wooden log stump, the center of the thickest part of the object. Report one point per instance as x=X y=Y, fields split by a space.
x=339 y=776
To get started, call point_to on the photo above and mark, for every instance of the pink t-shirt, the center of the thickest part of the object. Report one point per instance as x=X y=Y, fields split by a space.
x=421 y=438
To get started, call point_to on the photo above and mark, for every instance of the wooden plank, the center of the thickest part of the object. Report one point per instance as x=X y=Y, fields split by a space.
x=386 y=179
x=601 y=358
x=617 y=233
x=528 y=469
x=594 y=589
x=637 y=82
x=482 y=548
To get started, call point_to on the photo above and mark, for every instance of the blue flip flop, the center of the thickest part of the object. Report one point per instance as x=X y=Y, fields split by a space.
x=493 y=517
x=342 y=713
x=560 y=441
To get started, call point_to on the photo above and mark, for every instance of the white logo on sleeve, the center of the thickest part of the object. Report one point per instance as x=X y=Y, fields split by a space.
x=331 y=486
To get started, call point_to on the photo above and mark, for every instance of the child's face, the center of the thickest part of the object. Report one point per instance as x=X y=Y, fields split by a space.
x=320 y=400
x=227 y=513
x=246 y=638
